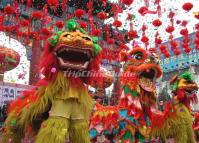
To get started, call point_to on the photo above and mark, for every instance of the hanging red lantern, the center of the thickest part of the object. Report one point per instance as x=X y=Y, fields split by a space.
x=176 y=52
x=187 y=50
x=9 y=10
x=53 y=3
x=83 y=24
x=117 y=23
x=152 y=50
x=158 y=40
x=46 y=31
x=162 y=47
x=59 y=24
x=170 y=29
x=132 y=34
x=97 y=32
x=187 y=6
x=196 y=15
x=110 y=41
x=143 y=10
x=79 y=12
x=24 y=23
x=157 y=23
x=102 y=15
x=37 y=15
x=184 y=32
x=127 y=2
x=166 y=54
x=145 y=39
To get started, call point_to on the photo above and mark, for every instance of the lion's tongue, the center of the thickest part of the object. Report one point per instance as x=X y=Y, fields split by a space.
x=146 y=84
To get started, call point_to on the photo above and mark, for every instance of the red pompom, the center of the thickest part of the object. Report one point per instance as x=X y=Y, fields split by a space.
x=37 y=15
x=79 y=12
x=170 y=29
x=9 y=10
x=59 y=24
x=157 y=23
x=187 y=6
x=127 y=2
x=102 y=15
x=117 y=23
x=83 y=24
x=97 y=32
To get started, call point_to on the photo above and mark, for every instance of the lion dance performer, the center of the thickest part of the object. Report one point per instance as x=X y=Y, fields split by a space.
x=177 y=121
x=61 y=94
x=130 y=120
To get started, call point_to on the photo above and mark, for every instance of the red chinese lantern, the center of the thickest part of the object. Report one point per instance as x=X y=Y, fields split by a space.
x=157 y=23
x=24 y=23
x=132 y=34
x=102 y=15
x=83 y=24
x=184 y=32
x=170 y=29
x=59 y=24
x=187 y=6
x=162 y=47
x=46 y=31
x=117 y=23
x=187 y=50
x=166 y=54
x=158 y=40
x=127 y=2
x=176 y=51
x=144 y=39
x=37 y=15
x=9 y=10
x=110 y=41
x=79 y=12
x=143 y=10
x=97 y=32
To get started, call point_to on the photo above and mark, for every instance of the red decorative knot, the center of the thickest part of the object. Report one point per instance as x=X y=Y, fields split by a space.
x=187 y=6
x=102 y=15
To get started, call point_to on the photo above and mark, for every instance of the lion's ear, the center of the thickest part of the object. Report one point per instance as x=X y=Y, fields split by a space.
x=123 y=56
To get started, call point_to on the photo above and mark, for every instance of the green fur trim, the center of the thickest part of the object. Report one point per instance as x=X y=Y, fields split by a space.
x=187 y=75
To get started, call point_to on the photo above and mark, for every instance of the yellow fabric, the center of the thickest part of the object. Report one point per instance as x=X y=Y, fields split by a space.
x=67 y=108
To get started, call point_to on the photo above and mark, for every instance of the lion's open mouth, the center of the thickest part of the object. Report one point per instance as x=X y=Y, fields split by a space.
x=147 y=79
x=73 y=58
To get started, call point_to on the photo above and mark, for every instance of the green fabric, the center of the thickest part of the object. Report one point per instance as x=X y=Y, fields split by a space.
x=127 y=90
x=97 y=49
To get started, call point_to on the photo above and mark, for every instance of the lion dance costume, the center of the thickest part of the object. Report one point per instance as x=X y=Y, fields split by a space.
x=60 y=94
x=130 y=120
x=177 y=121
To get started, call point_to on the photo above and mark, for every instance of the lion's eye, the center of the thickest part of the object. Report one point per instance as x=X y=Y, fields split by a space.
x=67 y=35
x=138 y=56
x=86 y=38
